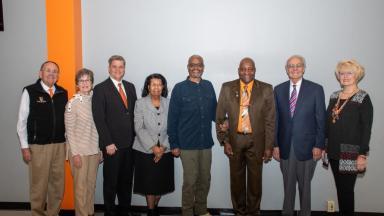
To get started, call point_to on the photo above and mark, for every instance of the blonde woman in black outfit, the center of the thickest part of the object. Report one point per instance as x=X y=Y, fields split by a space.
x=348 y=130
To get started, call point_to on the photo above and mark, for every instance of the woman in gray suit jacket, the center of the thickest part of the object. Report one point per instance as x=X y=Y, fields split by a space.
x=154 y=169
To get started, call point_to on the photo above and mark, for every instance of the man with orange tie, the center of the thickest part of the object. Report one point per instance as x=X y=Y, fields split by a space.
x=247 y=107
x=41 y=130
x=112 y=105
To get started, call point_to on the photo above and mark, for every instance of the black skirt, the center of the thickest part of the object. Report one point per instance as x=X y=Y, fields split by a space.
x=153 y=178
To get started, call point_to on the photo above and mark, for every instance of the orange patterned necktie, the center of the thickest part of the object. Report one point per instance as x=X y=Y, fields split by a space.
x=50 y=92
x=245 y=123
x=123 y=96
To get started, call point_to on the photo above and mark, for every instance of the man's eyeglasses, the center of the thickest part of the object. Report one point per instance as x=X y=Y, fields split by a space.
x=295 y=66
x=196 y=65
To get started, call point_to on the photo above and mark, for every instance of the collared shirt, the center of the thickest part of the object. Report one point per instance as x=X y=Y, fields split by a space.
x=249 y=92
x=191 y=112
x=23 y=115
x=116 y=84
x=298 y=85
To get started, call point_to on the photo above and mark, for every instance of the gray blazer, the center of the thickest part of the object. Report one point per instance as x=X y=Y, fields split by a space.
x=150 y=124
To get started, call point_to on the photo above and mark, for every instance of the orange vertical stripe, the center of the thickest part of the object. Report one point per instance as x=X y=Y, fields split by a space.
x=65 y=48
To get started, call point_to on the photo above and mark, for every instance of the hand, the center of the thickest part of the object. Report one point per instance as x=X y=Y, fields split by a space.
x=158 y=151
x=224 y=126
x=228 y=149
x=276 y=153
x=324 y=158
x=101 y=158
x=76 y=161
x=267 y=155
x=361 y=163
x=316 y=152
x=176 y=152
x=111 y=149
x=27 y=156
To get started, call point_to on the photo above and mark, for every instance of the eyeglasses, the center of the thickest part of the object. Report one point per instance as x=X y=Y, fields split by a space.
x=247 y=69
x=84 y=81
x=295 y=66
x=54 y=71
x=196 y=65
x=346 y=74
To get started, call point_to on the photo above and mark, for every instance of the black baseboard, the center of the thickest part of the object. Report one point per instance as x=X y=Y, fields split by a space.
x=168 y=210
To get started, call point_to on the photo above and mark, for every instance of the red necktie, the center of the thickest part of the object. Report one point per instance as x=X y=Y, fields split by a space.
x=123 y=96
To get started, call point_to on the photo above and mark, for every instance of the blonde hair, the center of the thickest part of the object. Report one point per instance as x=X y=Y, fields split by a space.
x=353 y=65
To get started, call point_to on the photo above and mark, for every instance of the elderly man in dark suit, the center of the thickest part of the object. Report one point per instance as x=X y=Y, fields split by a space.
x=245 y=123
x=300 y=121
x=112 y=105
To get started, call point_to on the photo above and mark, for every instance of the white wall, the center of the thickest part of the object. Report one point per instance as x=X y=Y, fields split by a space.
x=159 y=36
x=22 y=50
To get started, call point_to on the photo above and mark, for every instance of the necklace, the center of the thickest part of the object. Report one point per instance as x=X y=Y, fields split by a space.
x=336 y=110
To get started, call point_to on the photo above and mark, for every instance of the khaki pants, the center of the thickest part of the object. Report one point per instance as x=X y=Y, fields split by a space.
x=46 y=177
x=84 y=182
x=197 y=180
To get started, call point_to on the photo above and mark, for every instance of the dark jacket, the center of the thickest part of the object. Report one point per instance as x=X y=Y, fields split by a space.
x=261 y=114
x=113 y=121
x=45 y=122
x=191 y=112
x=305 y=130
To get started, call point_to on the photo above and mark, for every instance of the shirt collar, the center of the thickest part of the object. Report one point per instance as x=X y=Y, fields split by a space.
x=115 y=82
x=249 y=85
x=298 y=83
x=194 y=83
x=45 y=87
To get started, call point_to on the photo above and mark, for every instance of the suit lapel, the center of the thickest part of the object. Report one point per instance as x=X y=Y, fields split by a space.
x=116 y=92
x=235 y=100
x=255 y=101
x=154 y=112
x=254 y=93
x=149 y=105
x=127 y=93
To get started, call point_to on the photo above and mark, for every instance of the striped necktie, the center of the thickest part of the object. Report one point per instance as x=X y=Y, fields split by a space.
x=293 y=100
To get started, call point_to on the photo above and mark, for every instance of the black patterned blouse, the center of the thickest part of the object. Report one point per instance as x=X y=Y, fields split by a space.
x=353 y=126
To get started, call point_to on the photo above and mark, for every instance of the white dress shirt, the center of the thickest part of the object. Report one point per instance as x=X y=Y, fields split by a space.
x=116 y=84
x=23 y=116
x=298 y=85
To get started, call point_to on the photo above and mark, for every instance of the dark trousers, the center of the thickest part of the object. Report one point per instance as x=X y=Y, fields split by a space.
x=117 y=173
x=345 y=186
x=245 y=169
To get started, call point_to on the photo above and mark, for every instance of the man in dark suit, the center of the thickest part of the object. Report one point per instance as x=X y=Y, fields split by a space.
x=300 y=121
x=245 y=123
x=112 y=105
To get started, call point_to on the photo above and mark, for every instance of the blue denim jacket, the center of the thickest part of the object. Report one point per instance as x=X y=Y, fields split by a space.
x=191 y=111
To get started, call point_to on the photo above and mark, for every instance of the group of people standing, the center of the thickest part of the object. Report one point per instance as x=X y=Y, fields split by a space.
x=139 y=138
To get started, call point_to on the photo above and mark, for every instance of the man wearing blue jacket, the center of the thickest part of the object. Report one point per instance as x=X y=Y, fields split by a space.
x=300 y=121
x=191 y=111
